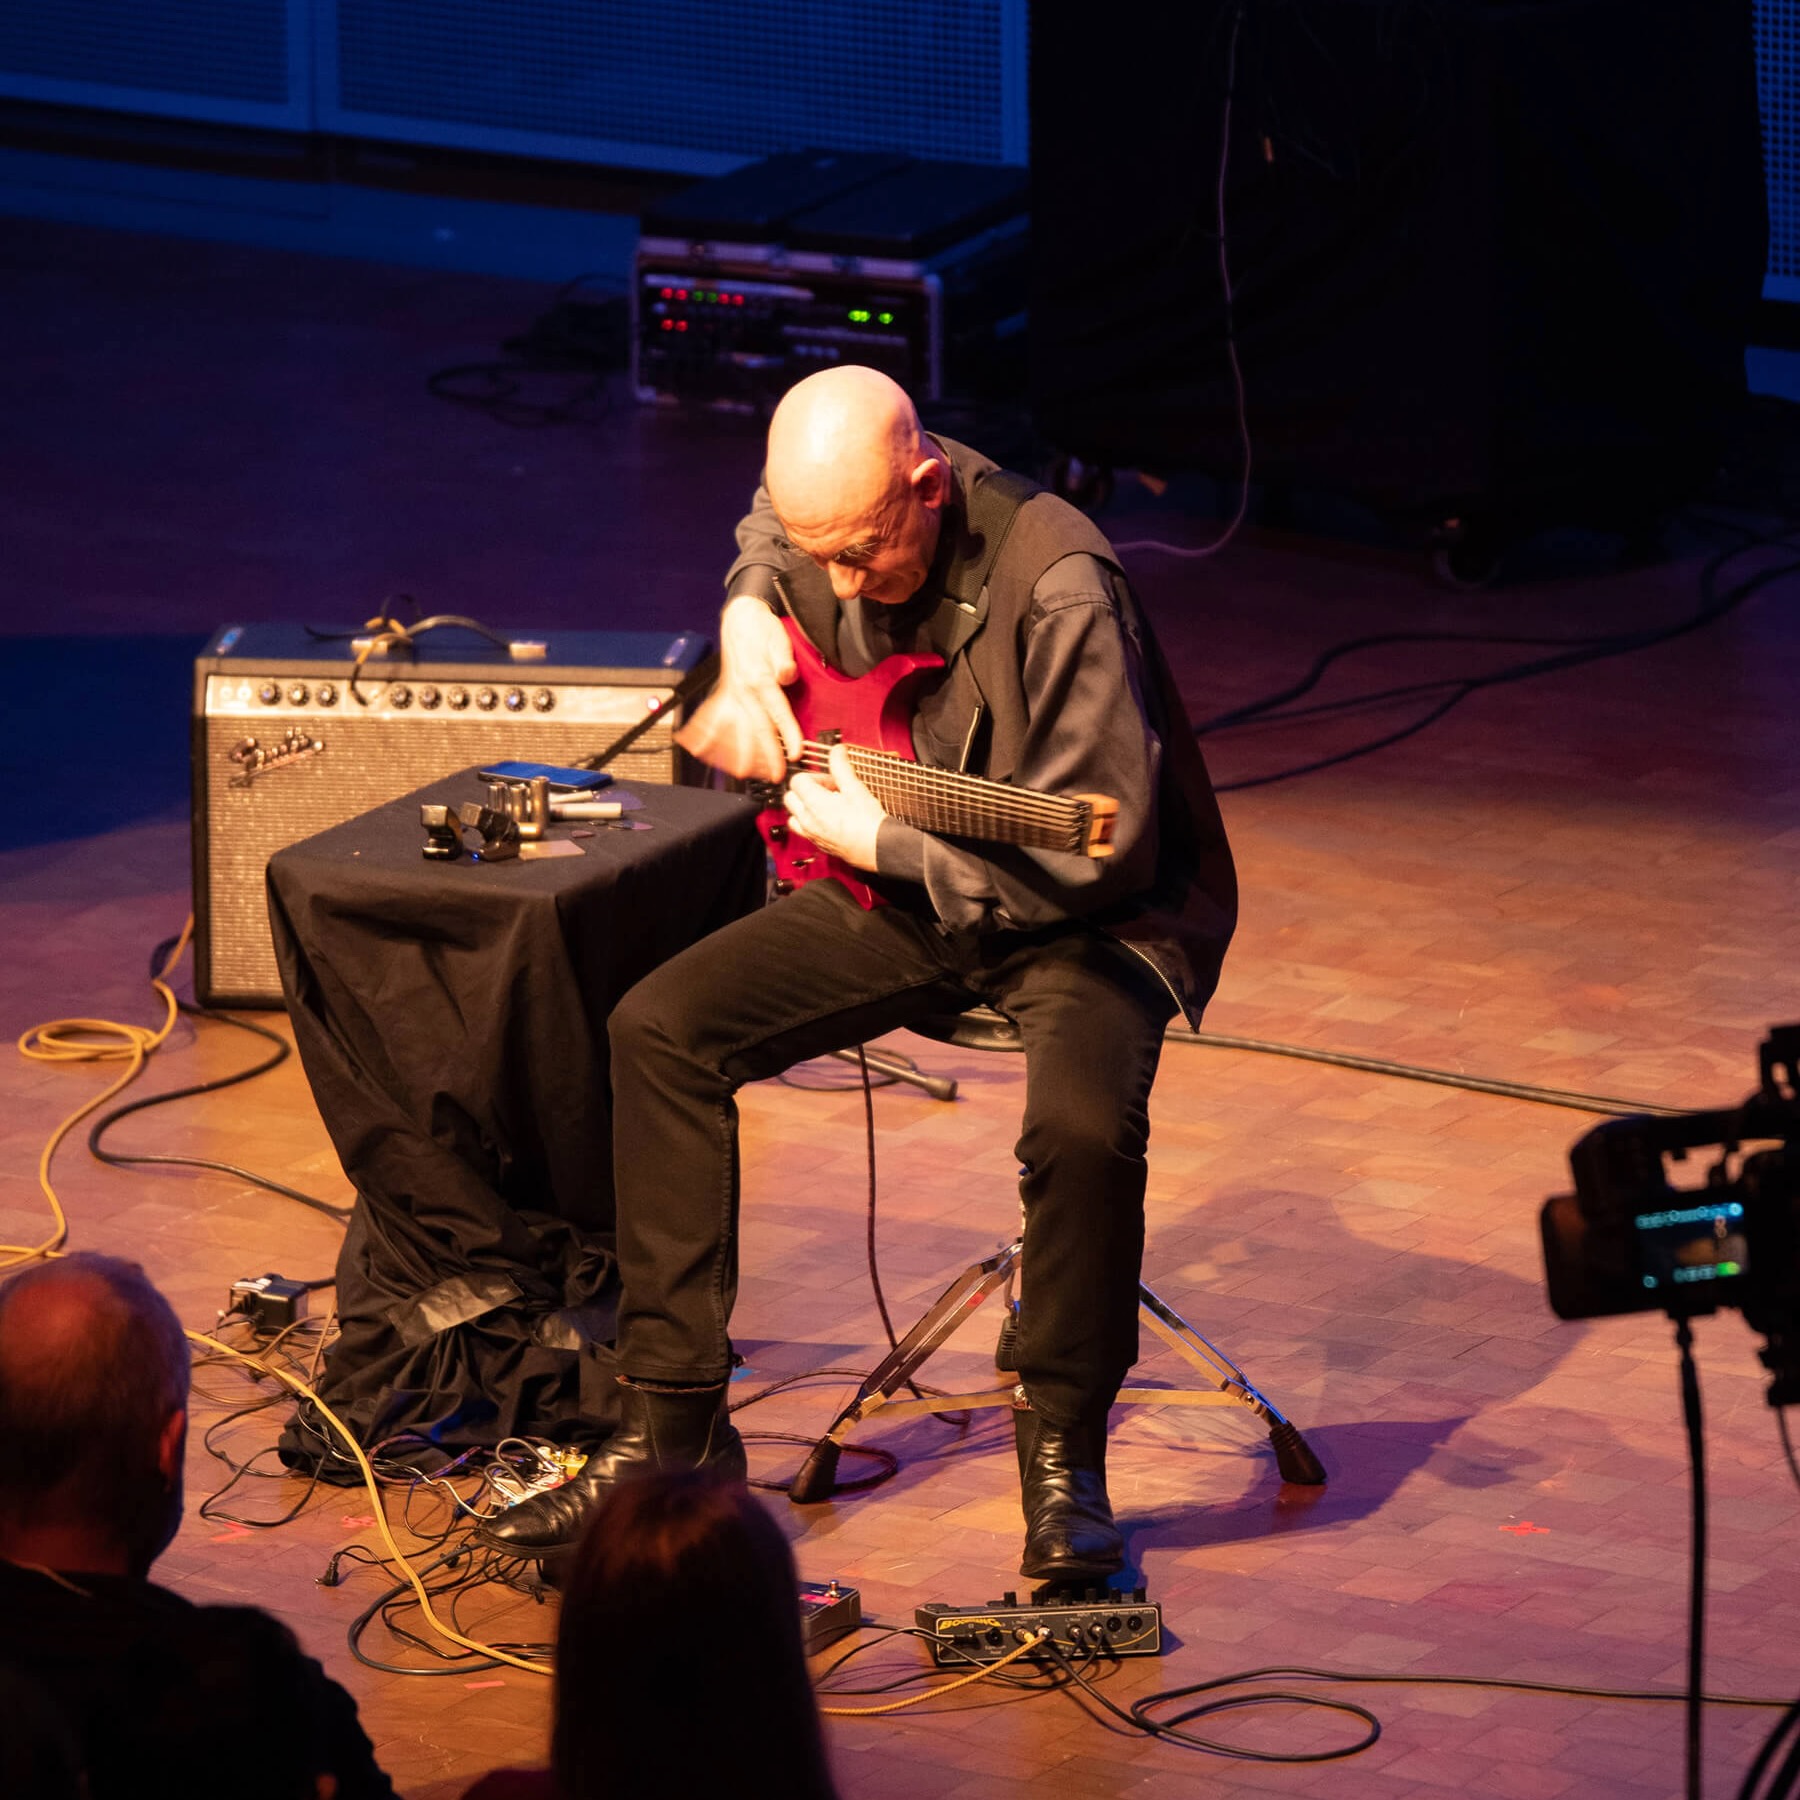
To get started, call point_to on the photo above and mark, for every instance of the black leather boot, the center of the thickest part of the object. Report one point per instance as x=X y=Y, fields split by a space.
x=659 y=1428
x=1069 y=1531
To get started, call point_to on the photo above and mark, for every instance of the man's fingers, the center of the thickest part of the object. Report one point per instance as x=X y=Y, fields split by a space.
x=843 y=772
x=784 y=728
x=733 y=733
x=799 y=802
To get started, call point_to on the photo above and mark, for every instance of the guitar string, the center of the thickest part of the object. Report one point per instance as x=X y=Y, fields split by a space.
x=985 y=822
x=964 y=804
x=898 y=772
x=1008 y=818
x=961 y=796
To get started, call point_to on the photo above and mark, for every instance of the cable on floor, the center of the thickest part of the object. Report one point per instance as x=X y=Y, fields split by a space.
x=92 y=1040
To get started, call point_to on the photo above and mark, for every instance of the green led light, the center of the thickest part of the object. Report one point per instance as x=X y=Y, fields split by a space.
x=1726 y=1268
x=859 y=315
x=885 y=318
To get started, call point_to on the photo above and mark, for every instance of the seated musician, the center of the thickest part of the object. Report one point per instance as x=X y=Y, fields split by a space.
x=874 y=539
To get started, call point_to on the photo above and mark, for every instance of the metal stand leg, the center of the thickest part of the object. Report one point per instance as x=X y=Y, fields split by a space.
x=898 y=1068
x=818 y=1474
x=1230 y=1386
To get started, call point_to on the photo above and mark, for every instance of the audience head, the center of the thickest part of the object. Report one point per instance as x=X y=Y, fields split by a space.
x=93 y=1416
x=679 y=1667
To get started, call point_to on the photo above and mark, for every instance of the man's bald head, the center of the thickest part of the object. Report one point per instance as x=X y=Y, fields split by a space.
x=844 y=439
x=93 y=1390
x=855 y=481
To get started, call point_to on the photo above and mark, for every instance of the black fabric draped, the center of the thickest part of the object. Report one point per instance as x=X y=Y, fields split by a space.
x=451 y=1018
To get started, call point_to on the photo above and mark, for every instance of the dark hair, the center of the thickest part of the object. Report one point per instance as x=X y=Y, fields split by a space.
x=92 y=1366
x=678 y=1660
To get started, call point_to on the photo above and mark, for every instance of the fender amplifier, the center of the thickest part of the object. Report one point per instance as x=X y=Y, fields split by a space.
x=290 y=738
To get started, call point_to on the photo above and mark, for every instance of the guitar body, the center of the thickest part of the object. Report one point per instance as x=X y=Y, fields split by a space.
x=873 y=710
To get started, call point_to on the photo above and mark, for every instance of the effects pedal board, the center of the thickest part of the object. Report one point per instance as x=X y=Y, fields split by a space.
x=1112 y=1624
x=828 y=1610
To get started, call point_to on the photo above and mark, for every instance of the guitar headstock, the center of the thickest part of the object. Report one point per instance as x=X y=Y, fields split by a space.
x=1100 y=814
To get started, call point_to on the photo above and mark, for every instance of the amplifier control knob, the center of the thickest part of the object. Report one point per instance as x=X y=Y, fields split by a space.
x=458 y=698
x=269 y=693
x=515 y=699
x=327 y=694
x=429 y=696
x=297 y=694
x=399 y=694
x=486 y=699
x=543 y=699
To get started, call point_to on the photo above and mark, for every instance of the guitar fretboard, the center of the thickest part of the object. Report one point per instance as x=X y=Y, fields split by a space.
x=953 y=805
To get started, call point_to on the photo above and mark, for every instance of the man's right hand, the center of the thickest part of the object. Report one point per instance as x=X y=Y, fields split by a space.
x=745 y=726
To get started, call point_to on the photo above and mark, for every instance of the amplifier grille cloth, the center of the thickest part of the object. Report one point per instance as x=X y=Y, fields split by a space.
x=366 y=762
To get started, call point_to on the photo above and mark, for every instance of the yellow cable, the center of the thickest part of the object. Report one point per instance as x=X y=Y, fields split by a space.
x=504 y=1656
x=374 y=1487
x=948 y=1687
x=91 y=1040
x=109 y=1040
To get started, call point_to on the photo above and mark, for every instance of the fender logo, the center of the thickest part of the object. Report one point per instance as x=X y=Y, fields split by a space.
x=254 y=758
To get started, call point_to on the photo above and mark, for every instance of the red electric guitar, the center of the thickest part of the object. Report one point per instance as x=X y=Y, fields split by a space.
x=872 y=717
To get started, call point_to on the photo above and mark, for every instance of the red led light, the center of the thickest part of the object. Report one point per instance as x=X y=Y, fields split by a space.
x=737 y=299
x=668 y=324
x=681 y=293
x=668 y=293
x=681 y=324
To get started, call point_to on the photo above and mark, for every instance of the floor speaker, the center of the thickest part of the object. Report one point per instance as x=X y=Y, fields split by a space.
x=290 y=737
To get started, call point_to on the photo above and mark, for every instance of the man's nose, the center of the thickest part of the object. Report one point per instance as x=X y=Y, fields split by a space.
x=846 y=581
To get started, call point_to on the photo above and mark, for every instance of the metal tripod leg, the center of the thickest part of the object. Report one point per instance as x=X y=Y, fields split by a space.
x=818 y=1474
x=1293 y=1455
x=1231 y=1387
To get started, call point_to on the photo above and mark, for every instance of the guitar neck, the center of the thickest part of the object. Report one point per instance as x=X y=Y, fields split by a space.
x=954 y=805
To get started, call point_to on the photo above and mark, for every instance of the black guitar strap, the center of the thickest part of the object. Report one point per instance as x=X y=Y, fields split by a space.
x=990 y=510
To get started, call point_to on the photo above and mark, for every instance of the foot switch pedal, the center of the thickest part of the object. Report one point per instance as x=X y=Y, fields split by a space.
x=1125 y=1624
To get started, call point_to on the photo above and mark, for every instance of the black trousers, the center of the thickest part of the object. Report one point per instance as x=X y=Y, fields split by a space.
x=813 y=972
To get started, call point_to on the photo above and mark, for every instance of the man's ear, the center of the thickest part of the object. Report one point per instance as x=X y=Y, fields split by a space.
x=930 y=481
x=171 y=1446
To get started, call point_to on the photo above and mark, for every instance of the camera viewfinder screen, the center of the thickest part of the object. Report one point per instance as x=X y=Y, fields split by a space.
x=1687 y=1246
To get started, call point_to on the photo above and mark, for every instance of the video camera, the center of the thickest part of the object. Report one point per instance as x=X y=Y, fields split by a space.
x=1628 y=1240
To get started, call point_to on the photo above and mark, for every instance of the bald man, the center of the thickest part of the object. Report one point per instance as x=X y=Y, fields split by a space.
x=155 y=1696
x=875 y=539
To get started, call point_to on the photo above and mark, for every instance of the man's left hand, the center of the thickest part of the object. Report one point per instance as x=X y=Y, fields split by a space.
x=837 y=812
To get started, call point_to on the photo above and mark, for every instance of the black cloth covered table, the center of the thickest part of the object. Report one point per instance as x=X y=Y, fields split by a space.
x=451 y=1018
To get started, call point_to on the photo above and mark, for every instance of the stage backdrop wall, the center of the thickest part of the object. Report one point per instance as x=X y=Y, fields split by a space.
x=698 y=87
x=1482 y=255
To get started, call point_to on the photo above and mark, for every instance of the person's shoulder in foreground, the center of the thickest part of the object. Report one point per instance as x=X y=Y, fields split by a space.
x=156 y=1695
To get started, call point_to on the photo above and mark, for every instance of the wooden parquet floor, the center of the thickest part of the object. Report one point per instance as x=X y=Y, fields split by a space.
x=1586 y=880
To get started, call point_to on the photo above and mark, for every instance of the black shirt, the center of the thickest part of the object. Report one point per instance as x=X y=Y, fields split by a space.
x=165 y=1697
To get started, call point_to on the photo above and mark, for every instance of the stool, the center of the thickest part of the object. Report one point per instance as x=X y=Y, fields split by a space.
x=983 y=1028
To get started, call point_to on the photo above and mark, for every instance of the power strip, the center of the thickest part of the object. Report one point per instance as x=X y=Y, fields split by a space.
x=1125 y=1624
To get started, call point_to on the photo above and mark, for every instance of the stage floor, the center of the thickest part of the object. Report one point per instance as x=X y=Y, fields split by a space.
x=1585 y=881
